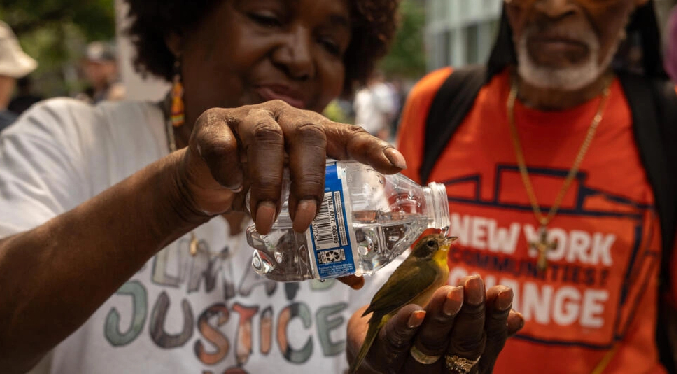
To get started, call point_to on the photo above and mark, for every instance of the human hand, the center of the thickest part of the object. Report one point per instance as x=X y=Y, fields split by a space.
x=463 y=326
x=235 y=150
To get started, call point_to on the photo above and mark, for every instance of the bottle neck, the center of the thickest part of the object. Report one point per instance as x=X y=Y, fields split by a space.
x=437 y=206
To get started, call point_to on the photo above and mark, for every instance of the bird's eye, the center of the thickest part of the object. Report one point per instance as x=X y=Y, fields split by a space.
x=431 y=243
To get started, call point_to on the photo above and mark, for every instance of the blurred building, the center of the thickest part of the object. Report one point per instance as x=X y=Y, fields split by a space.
x=460 y=32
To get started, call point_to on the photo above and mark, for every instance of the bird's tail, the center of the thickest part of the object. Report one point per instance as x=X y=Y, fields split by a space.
x=372 y=332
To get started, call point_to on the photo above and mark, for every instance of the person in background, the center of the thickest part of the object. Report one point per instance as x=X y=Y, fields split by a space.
x=100 y=69
x=560 y=177
x=14 y=64
x=375 y=106
x=121 y=223
x=25 y=97
x=670 y=57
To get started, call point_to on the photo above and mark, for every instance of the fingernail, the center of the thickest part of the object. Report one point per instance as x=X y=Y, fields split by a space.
x=474 y=288
x=504 y=300
x=358 y=284
x=454 y=301
x=354 y=282
x=395 y=158
x=416 y=319
x=305 y=213
x=265 y=217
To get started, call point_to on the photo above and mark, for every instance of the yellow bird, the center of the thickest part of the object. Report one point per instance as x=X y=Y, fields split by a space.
x=413 y=282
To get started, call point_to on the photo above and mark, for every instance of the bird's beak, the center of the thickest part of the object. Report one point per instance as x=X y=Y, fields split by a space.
x=447 y=242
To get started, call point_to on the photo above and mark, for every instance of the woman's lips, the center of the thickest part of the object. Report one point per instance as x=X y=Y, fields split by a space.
x=280 y=93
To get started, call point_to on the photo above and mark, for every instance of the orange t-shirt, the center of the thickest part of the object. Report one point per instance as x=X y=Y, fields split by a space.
x=600 y=288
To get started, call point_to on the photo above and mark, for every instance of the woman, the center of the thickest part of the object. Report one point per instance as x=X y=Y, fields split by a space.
x=90 y=195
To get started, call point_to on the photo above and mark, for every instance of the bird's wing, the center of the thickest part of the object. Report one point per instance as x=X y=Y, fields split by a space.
x=409 y=280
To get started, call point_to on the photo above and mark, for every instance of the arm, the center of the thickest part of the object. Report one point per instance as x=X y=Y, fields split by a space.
x=79 y=258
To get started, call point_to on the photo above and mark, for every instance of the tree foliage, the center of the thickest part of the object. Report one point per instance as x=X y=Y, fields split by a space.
x=407 y=54
x=55 y=33
x=94 y=18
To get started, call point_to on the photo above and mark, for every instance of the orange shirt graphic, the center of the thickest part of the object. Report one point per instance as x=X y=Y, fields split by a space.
x=600 y=288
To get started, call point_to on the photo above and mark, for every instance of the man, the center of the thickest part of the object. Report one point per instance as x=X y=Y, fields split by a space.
x=551 y=187
x=100 y=69
x=375 y=107
x=14 y=64
x=25 y=97
x=671 y=45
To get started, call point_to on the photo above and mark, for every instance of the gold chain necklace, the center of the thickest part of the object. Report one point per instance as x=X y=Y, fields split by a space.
x=542 y=245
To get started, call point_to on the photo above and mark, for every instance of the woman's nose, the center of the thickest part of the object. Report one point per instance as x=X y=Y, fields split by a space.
x=294 y=54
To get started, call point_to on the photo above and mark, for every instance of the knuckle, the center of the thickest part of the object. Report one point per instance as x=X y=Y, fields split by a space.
x=311 y=132
x=473 y=312
x=470 y=347
x=498 y=318
x=213 y=146
x=434 y=344
x=267 y=183
x=266 y=132
x=208 y=117
x=277 y=104
x=397 y=342
x=398 y=339
x=497 y=334
x=311 y=183
x=440 y=320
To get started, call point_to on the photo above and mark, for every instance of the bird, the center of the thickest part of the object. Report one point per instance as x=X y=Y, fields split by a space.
x=413 y=282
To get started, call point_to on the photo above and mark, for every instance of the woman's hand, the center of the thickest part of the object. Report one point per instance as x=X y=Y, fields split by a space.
x=235 y=150
x=463 y=326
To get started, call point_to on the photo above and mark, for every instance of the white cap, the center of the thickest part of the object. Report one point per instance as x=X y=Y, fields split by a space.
x=14 y=62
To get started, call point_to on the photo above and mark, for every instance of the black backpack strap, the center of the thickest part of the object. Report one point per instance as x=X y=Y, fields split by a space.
x=447 y=111
x=654 y=115
x=666 y=330
x=653 y=105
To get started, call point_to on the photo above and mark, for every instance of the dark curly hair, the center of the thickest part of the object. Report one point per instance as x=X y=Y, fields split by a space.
x=374 y=23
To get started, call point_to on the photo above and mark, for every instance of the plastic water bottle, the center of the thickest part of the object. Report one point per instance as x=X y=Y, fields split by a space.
x=365 y=221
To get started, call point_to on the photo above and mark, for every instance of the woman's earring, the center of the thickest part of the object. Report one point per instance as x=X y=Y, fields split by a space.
x=178 y=109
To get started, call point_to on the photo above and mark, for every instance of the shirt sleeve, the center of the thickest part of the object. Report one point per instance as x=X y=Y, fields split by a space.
x=42 y=165
x=410 y=138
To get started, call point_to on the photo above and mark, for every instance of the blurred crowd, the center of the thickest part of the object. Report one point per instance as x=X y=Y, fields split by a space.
x=98 y=68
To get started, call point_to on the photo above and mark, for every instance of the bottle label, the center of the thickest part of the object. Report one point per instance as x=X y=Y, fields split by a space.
x=330 y=232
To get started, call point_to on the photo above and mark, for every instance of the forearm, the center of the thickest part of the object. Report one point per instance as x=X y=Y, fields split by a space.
x=55 y=276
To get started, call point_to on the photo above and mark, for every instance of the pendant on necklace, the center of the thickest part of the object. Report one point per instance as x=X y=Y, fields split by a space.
x=194 y=244
x=542 y=245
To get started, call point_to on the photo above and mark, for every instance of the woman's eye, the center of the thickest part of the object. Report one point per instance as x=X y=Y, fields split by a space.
x=331 y=46
x=267 y=20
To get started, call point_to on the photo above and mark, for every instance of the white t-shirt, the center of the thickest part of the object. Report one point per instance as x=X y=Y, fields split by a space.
x=179 y=314
x=374 y=107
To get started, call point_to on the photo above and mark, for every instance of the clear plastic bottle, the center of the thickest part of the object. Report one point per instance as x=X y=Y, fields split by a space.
x=366 y=220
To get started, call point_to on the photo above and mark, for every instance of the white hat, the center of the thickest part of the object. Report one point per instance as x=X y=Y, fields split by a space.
x=14 y=62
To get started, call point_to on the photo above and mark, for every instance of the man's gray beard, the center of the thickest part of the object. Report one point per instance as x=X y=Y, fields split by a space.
x=568 y=79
